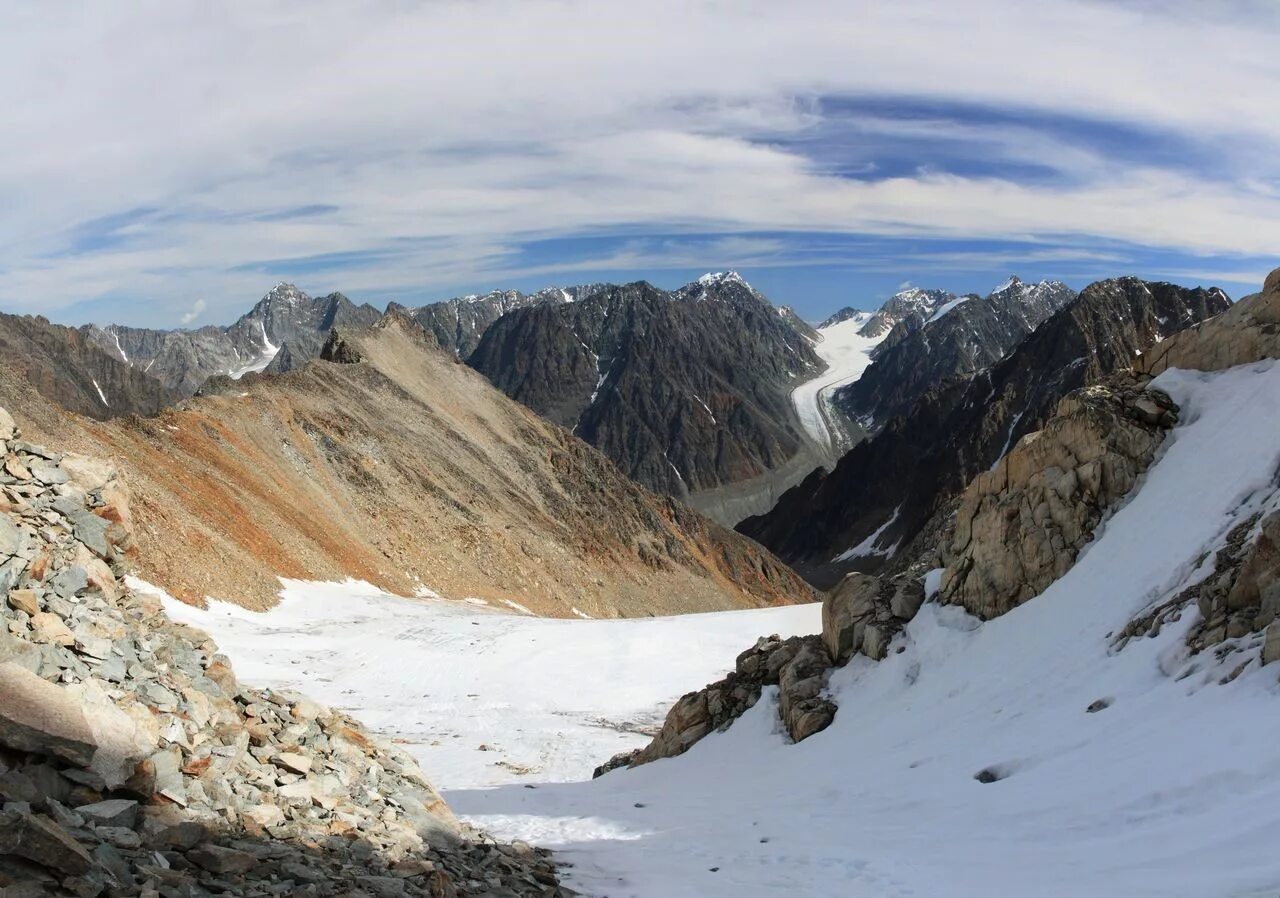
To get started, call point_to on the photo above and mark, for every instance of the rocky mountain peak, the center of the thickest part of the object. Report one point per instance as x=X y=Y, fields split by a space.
x=912 y=305
x=844 y=315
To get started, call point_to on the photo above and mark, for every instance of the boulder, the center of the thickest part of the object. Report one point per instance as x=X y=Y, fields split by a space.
x=41 y=841
x=76 y=723
x=1271 y=644
x=845 y=612
x=8 y=429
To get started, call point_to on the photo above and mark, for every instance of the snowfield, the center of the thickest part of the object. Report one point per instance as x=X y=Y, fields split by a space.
x=847 y=354
x=548 y=699
x=1171 y=790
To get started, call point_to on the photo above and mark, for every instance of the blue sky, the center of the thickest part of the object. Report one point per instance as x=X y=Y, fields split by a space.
x=829 y=151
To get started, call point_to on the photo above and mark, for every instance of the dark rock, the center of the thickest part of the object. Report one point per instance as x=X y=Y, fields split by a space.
x=40 y=840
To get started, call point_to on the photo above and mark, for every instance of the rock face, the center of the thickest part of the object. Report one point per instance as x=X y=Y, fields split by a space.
x=72 y=372
x=458 y=324
x=885 y=491
x=286 y=324
x=133 y=763
x=393 y=463
x=686 y=392
x=1021 y=525
x=863 y=613
x=798 y=666
x=1246 y=332
x=965 y=338
x=910 y=308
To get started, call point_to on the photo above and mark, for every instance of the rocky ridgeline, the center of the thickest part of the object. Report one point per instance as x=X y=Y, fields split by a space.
x=1016 y=529
x=132 y=762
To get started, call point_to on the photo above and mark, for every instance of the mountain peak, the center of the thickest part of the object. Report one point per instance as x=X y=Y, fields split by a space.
x=722 y=277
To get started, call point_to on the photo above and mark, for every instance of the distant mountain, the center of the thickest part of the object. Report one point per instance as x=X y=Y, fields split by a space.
x=884 y=491
x=843 y=315
x=458 y=324
x=911 y=307
x=960 y=336
x=687 y=391
x=72 y=372
x=286 y=318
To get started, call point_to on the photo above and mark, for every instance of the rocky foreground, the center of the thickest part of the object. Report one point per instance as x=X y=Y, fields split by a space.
x=132 y=762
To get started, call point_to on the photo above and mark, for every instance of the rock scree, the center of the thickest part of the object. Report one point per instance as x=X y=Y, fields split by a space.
x=133 y=763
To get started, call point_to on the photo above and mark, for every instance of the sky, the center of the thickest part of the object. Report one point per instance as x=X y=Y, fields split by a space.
x=166 y=163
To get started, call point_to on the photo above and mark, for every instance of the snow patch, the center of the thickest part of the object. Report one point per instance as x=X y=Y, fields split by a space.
x=947 y=307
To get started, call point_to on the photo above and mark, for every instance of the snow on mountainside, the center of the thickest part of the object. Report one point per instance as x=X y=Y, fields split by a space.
x=964 y=764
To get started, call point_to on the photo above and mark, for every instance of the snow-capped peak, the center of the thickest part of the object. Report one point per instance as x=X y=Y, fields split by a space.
x=721 y=277
x=1014 y=281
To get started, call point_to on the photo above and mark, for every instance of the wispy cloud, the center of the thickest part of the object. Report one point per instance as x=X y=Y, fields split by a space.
x=414 y=147
x=196 y=310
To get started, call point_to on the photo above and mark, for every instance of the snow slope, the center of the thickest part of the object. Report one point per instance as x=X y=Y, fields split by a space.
x=550 y=699
x=847 y=354
x=1169 y=791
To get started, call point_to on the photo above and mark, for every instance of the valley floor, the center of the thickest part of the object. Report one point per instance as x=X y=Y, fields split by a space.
x=1170 y=790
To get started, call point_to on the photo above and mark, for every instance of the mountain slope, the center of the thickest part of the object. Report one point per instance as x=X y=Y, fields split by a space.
x=885 y=490
x=959 y=338
x=70 y=371
x=687 y=392
x=404 y=468
x=183 y=360
x=458 y=324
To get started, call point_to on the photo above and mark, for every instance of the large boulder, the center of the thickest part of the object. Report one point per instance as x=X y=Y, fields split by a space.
x=76 y=723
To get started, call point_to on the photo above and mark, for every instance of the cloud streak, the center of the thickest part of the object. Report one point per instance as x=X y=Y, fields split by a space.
x=428 y=144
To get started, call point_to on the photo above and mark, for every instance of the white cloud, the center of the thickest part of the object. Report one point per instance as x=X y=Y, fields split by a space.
x=196 y=310
x=446 y=133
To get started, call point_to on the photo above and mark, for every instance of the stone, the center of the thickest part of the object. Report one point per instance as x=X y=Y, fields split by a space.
x=265 y=815
x=113 y=812
x=46 y=473
x=292 y=761
x=75 y=723
x=8 y=429
x=1271 y=644
x=25 y=600
x=20 y=652
x=845 y=611
x=10 y=537
x=184 y=835
x=221 y=860
x=41 y=841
